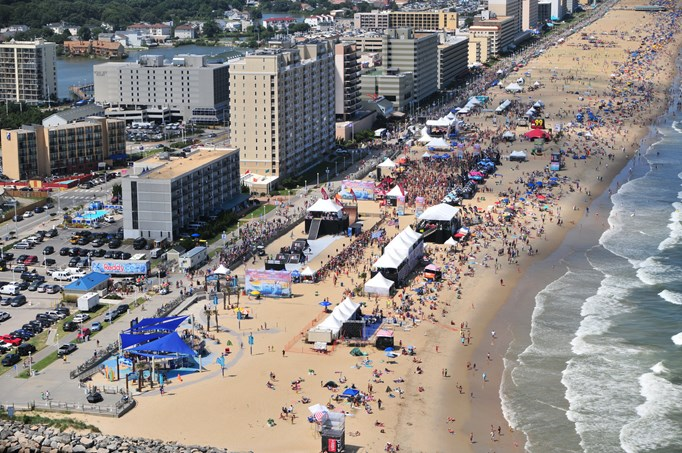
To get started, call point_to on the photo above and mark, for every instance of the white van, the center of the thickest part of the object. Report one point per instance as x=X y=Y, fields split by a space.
x=11 y=290
x=62 y=276
x=156 y=253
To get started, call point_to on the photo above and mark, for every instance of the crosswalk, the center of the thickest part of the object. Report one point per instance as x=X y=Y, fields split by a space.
x=82 y=194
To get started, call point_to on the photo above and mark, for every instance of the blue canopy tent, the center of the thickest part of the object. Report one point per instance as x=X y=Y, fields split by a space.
x=170 y=345
x=350 y=393
x=129 y=340
x=157 y=324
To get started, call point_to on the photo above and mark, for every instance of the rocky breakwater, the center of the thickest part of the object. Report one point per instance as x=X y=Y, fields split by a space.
x=16 y=437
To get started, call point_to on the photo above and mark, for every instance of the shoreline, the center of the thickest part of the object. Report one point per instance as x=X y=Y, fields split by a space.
x=233 y=411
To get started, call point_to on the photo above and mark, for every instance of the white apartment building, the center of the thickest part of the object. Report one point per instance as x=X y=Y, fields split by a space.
x=189 y=88
x=282 y=107
x=28 y=71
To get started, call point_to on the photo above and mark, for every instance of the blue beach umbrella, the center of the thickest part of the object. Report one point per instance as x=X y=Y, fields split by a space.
x=325 y=303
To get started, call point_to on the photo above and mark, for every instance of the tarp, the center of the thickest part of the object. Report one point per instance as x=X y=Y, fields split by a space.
x=161 y=324
x=388 y=163
x=168 y=344
x=379 y=285
x=440 y=212
x=322 y=205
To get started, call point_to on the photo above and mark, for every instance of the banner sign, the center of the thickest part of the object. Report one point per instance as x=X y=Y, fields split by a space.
x=268 y=283
x=400 y=205
x=121 y=267
x=419 y=203
x=364 y=190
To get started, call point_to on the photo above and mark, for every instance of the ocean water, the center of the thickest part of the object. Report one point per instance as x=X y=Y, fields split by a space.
x=602 y=370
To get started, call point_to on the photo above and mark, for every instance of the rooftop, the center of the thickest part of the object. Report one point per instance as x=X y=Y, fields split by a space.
x=156 y=167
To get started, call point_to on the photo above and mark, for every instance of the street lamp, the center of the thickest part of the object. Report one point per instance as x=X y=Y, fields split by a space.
x=327 y=170
x=336 y=168
x=318 y=178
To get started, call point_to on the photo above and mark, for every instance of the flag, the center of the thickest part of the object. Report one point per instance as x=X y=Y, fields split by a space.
x=337 y=199
x=247 y=172
x=355 y=199
x=324 y=194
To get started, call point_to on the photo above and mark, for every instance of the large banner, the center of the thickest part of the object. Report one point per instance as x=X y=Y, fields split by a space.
x=364 y=190
x=268 y=283
x=400 y=205
x=120 y=267
x=419 y=206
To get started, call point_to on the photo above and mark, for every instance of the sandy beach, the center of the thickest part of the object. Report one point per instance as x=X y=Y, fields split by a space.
x=446 y=397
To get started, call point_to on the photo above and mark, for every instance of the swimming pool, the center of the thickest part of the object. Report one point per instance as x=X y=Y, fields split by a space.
x=93 y=215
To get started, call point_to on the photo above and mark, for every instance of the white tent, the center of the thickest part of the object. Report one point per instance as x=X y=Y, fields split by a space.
x=395 y=192
x=509 y=135
x=379 y=285
x=519 y=156
x=441 y=212
x=391 y=259
x=441 y=122
x=539 y=104
x=514 y=88
x=464 y=111
x=438 y=143
x=451 y=116
x=322 y=205
x=426 y=154
x=451 y=241
x=222 y=270
x=388 y=163
x=531 y=112
x=307 y=272
x=328 y=330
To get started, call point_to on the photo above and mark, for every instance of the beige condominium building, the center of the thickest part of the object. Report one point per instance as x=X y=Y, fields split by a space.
x=497 y=34
x=188 y=88
x=282 y=108
x=164 y=195
x=37 y=151
x=28 y=71
x=419 y=20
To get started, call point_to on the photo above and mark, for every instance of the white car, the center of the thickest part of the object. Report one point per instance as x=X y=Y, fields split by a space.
x=109 y=219
x=28 y=214
x=81 y=317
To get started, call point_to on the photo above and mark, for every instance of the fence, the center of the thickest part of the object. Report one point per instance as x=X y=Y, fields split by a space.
x=89 y=367
x=117 y=410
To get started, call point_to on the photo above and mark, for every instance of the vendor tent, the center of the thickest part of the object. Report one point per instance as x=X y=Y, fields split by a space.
x=307 y=272
x=537 y=133
x=329 y=329
x=388 y=163
x=222 y=270
x=514 y=88
x=438 y=143
x=509 y=135
x=379 y=285
x=440 y=212
x=451 y=241
x=426 y=155
x=518 y=156
x=323 y=205
x=395 y=192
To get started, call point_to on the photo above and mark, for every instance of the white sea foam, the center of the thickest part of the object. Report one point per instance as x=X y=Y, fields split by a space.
x=675 y=227
x=671 y=296
x=659 y=368
x=676 y=126
x=654 y=429
x=652 y=272
x=677 y=339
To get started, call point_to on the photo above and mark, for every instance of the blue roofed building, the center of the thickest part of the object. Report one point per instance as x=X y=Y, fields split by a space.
x=92 y=282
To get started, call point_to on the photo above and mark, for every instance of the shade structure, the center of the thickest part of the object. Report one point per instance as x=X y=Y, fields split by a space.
x=323 y=205
x=537 y=133
x=222 y=270
x=440 y=212
x=388 y=163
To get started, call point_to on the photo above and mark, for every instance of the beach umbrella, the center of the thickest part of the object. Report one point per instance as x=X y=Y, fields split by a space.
x=325 y=303
x=390 y=348
x=255 y=293
x=331 y=384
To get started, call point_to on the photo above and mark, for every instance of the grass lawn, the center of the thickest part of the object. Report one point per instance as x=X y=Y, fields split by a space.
x=255 y=214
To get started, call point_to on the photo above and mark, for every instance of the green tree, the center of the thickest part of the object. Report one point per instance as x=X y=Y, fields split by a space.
x=211 y=29
x=117 y=191
x=84 y=33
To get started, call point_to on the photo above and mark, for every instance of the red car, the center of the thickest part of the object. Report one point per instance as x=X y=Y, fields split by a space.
x=31 y=260
x=11 y=340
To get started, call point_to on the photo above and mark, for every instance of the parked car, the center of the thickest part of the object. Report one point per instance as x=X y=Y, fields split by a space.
x=49 y=250
x=114 y=244
x=32 y=259
x=63 y=310
x=81 y=317
x=96 y=326
x=53 y=289
x=17 y=301
x=14 y=341
x=25 y=348
x=23 y=245
x=64 y=251
x=11 y=359
x=66 y=349
x=48 y=262
x=28 y=214
x=39 y=209
x=4 y=316
x=110 y=316
x=52 y=233
x=70 y=326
